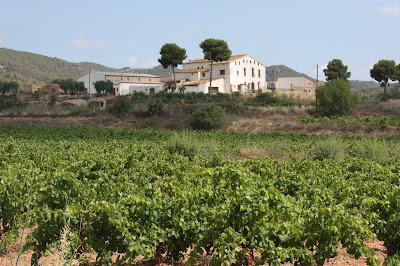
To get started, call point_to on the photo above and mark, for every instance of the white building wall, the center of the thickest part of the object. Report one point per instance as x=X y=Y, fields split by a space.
x=239 y=80
x=234 y=78
x=286 y=84
x=130 y=88
x=187 y=76
x=94 y=76
x=203 y=87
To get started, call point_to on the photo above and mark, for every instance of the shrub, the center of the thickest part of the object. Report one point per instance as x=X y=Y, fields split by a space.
x=208 y=116
x=371 y=149
x=121 y=106
x=331 y=148
x=155 y=107
x=183 y=144
x=335 y=98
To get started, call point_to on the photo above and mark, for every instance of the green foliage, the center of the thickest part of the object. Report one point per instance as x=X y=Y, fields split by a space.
x=183 y=144
x=336 y=70
x=371 y=150
x=215 y=50
x=10 y=101
x=120 y=106
x=384 y=120
x=270 y=99
x=155 y=107
x=169 y=86
x=335 y=98
x=208 y=116
x=122 y=192
x=53 y=99
x=331 y=148
x=383 y=71
x=7 y=87
x=172 y=55
x=103 y=87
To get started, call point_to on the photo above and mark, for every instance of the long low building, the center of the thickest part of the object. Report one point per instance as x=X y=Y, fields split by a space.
x=124 y=83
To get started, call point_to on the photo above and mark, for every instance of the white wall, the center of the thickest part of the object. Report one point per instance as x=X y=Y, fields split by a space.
x=234 y=74
x=237 y=80
x=286 y=84
x=94 y=76
x=130 y=88
x=187 y=76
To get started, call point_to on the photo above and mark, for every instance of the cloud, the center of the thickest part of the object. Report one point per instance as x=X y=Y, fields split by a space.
x=133 y=62
x=83 y=43
x=388 y=10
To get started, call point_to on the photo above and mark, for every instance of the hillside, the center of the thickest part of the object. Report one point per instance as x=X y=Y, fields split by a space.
x=281 y=71
x=30 y=68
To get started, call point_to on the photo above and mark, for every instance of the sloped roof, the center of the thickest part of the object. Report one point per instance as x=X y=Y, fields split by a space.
x=194 y=83
x=123 y=74
x=193 y=70
x=233 y=58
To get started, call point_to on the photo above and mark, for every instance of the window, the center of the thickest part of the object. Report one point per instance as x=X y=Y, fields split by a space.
x=139 y=79
x=149 y=79
x=204 y=74
x=128 y=78
x=238 y=73
x=259 y=73
x=239 y=63
x=202 y=67
x=252 y=72
x=244 y=71
x=235 y=63
x=222 y=72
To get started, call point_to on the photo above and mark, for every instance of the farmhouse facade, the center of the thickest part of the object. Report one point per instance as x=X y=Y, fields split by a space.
x=241 y=73
x=123 y=83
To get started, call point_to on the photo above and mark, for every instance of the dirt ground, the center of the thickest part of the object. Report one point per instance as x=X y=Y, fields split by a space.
x=255 y=120
x=340 y=258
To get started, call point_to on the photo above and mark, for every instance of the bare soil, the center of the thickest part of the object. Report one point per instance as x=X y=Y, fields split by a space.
x=254 y=120
x=341 y=257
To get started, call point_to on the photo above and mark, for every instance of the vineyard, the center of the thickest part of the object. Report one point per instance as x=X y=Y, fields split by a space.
x=164 y=196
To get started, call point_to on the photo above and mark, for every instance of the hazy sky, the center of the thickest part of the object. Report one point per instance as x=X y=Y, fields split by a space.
x=119 y=33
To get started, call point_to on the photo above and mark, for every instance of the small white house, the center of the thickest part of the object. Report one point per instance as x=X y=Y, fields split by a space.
x=124 y=83
x=241 y=73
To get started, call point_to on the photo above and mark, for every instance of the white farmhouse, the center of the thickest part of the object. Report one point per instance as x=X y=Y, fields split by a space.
x=124 y=83
x=241 y=73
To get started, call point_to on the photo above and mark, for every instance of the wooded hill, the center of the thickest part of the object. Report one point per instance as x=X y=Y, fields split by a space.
x=30 y=68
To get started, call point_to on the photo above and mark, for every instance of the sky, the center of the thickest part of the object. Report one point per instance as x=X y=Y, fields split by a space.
x=129 y=33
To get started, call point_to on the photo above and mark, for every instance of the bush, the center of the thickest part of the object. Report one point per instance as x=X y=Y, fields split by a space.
x=328 y=149
x=183 y=144
x=155 y=107
x=121 y=106
x=335 y=98
x=208 y=116
x=371 y=150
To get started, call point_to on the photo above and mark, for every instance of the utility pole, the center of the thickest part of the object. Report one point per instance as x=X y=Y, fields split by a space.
x=89 y=82
x=316 y=87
